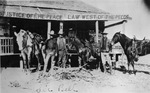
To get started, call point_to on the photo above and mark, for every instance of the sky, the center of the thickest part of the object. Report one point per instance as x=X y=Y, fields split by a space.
x=138 y=26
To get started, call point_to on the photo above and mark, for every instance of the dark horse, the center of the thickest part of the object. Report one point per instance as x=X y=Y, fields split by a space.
x=49 y=51
x=142 y=46
x=94 y=51
x=76 y=46
x=87 y=50
x=29 y=44
x=129 y=47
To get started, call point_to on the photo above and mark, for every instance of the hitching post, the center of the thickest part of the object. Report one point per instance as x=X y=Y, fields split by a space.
x=61 y=26
x=97 y=31
x=123 y=26
x=48 y=30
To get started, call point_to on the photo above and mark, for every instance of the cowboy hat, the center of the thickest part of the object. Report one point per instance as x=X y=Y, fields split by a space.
x=70 y=29
x=104 y=33
x=52 y=33
x=60 y=32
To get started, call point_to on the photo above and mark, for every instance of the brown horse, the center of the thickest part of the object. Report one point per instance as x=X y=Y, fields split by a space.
x=77 y=47
x=87 y=50
x=49 y=51
x=94 y=51
x=142 y=46
x=129 y=47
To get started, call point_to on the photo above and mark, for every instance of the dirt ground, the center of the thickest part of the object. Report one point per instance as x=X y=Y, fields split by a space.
x=14 y=80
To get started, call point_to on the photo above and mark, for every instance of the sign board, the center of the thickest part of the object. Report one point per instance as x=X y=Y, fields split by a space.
x=31 y=16
x=64 y=16
x=96 y=17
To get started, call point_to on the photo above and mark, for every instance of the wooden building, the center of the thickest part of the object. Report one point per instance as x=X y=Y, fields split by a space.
x=42 y=16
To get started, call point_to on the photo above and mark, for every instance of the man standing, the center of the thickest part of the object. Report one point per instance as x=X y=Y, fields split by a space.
x=61 y=42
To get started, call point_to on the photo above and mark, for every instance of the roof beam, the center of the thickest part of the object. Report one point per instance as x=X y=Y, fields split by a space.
x=118 y=23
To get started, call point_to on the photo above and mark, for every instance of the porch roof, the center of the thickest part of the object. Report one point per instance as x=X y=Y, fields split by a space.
x=54 y=10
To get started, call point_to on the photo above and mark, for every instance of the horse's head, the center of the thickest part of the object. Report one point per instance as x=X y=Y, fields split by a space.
x=19 y=38
x=91 y=39
x=23 y=39
x=116 y=38
x=38 y=38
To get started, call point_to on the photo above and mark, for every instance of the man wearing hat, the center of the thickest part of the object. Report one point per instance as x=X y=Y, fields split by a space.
x=52 y=34
x=61 y=42
x=105 y=42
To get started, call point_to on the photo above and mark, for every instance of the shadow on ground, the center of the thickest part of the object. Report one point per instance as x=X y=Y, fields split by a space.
x=124 y=70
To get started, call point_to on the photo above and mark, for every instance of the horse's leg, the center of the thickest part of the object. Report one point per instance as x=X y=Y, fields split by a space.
x=86 y=58
x=37 y=54
x=129 y=71
x=132 y=63
x=60 y=55
x=38 y=59
x=24 y=61
x=98 y=62
x=43 y=52
x=29 y=61
x=69 y=60
x=103 y=61
x=46 y=62
x=29 y=57
x=52 y=64
x=64 y=59
x=83 y=61
x=79 y=60
x=110 y=64
x=41 y=63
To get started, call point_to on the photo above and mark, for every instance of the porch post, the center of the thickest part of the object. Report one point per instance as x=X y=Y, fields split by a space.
x=48 y=29
x=97 y=30
x=61 y=26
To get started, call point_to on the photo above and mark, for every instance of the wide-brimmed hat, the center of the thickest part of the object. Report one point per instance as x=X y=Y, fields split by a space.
x=70 y=29
x=14 y=26
x=104 y=33
x=52 y=33
x=60 y=32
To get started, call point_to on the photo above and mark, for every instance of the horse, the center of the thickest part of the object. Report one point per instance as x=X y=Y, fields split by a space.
x=86 y=49
x=29 y=45
x=129 y=47
x=75 y=46
x=143 y=46
x=49 y=51
x=94 y=50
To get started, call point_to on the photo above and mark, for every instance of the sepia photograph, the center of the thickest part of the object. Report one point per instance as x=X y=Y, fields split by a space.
x=74 y=46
